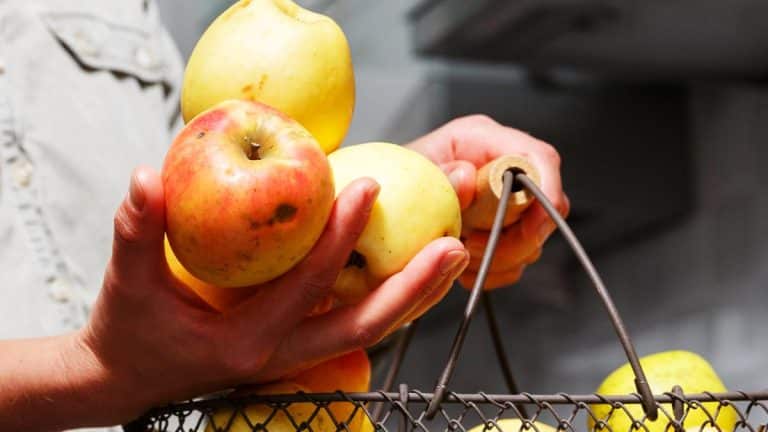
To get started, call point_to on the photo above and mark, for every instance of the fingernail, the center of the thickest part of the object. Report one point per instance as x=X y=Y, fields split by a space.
x=545 y=230
x=453 y=261
x=138 y=198
x=455 y=178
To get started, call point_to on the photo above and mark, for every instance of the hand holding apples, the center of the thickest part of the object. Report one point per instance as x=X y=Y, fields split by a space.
x=466 y=144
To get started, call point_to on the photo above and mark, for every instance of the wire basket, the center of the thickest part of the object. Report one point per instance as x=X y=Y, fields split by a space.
x=409 y=409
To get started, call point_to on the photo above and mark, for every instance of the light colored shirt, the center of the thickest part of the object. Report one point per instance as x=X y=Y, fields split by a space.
x=89 y=89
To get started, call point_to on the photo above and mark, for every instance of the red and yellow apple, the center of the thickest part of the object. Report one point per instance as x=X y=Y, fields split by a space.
x=349 y=373
x=248 y=192
x=416 y=204
x=280 y=54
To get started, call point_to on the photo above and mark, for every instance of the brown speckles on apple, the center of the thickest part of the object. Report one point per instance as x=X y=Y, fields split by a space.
x=285 y=212
x=250 y=92
x=262 y=83
x=200 y=134
x=245 y=256
x=253 y=224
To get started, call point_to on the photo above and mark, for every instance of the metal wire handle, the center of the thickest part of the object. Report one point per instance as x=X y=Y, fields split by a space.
x=510 y=177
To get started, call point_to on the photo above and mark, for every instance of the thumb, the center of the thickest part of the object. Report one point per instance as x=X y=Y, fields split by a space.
x=140 y=226
x=462 y=175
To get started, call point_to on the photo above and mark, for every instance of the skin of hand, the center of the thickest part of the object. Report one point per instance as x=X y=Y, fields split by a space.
x=460 y=148
x=150 y=341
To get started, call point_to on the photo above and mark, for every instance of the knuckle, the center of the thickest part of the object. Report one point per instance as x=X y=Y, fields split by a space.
x=241 y=366
x=315 y=288
x=533 y=257
x=126 y=229
x=239 y=359
x=480 y=120
x=550 y=153
x=363 y=337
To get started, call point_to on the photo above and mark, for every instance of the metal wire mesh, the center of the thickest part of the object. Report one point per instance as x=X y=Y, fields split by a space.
x=733 y=411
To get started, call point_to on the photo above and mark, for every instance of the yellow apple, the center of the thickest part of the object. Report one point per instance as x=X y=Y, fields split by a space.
x=513 y=425
x=665 y=370
x=280 y=54
x=282 y=420
x=416 y=204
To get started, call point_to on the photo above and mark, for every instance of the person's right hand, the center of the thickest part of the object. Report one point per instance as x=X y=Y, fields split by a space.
x=151 y=341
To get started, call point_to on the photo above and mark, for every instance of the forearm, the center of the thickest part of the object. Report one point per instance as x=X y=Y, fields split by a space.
x=49 y=384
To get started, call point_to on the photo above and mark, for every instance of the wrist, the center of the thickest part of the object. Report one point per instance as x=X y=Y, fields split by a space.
x=57 y=383
x=97 y=391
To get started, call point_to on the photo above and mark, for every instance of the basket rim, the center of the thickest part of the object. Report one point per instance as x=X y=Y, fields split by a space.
x=415 y=396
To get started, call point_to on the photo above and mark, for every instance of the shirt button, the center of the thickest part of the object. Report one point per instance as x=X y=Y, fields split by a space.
x=60 y=291
x=22 y=173
x=145 y=58
x=85 y=44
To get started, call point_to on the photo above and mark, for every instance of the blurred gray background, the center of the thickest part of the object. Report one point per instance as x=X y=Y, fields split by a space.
x=660 y=112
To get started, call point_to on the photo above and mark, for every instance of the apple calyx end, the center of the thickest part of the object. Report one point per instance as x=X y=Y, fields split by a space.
x=356 y=259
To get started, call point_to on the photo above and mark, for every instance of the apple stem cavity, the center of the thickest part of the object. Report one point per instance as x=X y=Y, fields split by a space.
x=293 y=10
x=253 y=151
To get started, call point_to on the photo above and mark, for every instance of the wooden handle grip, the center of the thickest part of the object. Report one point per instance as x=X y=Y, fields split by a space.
x=490 y=182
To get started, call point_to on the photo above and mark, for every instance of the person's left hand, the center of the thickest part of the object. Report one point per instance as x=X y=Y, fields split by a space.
x=464 y=145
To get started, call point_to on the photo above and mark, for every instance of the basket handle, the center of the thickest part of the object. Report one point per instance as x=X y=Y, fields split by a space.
x=509 y=177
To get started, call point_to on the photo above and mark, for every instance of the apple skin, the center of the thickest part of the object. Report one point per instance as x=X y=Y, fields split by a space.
x=234 y=421
x=513 y=425
x=663 y=371
x=277 y=53
x=350 y=373
x=416 y=204
x=236 y=216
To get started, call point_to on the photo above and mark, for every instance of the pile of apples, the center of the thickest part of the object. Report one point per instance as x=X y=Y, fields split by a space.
x=250 y=180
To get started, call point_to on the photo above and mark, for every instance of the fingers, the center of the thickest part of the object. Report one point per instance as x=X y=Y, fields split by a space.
x=423 y=281
x=139 y=228
x=492 y=280
x=509 y=274
x=286 y=301
x=463 y=176
x=511 y=248
x=537 y=225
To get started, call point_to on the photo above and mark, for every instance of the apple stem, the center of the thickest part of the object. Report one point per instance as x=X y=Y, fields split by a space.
x=254 y=153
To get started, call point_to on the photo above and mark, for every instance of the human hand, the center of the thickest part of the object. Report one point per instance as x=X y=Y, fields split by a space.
x=150 y=340
x=464 y=145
